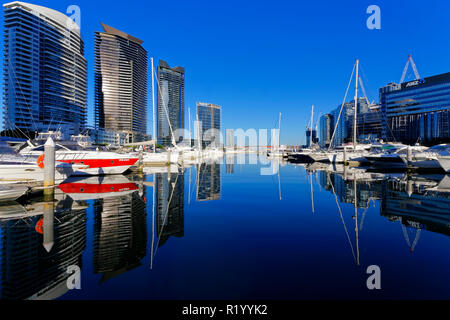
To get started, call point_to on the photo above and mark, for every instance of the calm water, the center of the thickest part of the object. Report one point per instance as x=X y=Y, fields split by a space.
x=223 y=231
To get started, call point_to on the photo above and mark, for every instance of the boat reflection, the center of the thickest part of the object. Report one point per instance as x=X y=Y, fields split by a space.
x=95 y=187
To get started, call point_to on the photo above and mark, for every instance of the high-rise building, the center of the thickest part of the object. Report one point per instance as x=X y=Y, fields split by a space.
x=417 y=110
x=120 y=83
x=343 y=123
x=45 y=71
x=208 y=115
x=326 y=130
x=229 y=139
x=170 y=103
x=311 y=137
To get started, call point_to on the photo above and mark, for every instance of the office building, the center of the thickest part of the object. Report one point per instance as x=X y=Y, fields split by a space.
x=170 y=112
x=326 y=130
x=208 y=115
x=120 y=83
x=343 y=124
x=45 y=72
x=311 y=137
x=417 y=111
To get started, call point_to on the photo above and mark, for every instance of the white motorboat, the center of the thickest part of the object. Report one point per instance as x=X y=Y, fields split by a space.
x=349 y=153
x=392 y=157
x=16 y=168
x=94 y=162
x=10 y=192
x=426 y=159
x=444 y=160
x=320 y=156
x=161 y=158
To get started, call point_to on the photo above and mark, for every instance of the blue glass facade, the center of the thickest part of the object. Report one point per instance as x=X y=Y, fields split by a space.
x=209 y=116
x=170 y=103
x=417 y=111
x=45 y=70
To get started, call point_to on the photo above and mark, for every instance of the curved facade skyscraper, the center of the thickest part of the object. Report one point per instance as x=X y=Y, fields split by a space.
x=45 y=70
x=120 y=83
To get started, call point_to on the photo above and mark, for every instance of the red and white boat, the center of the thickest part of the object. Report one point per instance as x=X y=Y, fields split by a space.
x=97 y=187
x=94 y=162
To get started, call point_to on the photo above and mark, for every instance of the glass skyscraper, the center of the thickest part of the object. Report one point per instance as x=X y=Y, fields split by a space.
x=45 y=70
x=170 y=103
x=417 y=110
x=208 y=115
x=120 y=83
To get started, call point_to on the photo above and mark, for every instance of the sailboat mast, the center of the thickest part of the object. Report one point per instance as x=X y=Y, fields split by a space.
x=153 y=104
x=189 y=119
x=279 y=128
x=310 y=127
x=356 y=105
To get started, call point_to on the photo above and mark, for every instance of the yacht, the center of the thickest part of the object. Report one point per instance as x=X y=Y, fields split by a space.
x=444 y=160
x=426 y=159
x=392 y=157
x=94 y=161
x=17 y=168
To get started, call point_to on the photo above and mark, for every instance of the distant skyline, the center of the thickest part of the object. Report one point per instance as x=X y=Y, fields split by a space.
x=259 y=58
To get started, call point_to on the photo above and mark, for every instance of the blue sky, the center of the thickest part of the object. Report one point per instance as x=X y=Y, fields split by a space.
x=259 y=58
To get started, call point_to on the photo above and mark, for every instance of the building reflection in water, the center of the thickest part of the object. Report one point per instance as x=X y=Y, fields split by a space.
x=229 y=163
x=28 y=271
x=417 y=202
x=169 y=206
x=208 y=181
x=120 y=234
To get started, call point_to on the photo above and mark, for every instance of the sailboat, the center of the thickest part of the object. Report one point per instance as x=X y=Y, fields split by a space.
x=346 y=153
x=171 y=155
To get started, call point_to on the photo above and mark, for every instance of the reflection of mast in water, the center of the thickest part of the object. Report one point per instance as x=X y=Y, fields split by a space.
x=120 y=234
x=169 y=206
x=356 y=220
x=312 y=192
x=28 y=271
x=355 y=257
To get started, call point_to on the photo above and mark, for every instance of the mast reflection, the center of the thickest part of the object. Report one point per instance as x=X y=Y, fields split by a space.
x=169 y=206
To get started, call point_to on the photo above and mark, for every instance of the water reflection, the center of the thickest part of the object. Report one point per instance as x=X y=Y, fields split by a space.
x=208 y=185
x=170 y=206
x=416 y=202
x=120 y=235
x=129 y=218
x=28 y=270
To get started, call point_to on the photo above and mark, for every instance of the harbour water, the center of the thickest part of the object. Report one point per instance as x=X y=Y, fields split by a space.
x=224 y=231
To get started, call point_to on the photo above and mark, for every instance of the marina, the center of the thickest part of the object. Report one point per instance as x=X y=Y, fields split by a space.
x=214 y=153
